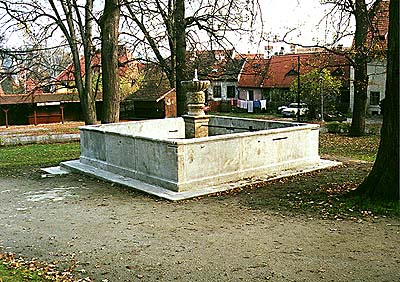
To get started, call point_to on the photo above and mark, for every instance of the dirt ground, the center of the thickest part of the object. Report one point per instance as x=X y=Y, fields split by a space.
x=116 y=234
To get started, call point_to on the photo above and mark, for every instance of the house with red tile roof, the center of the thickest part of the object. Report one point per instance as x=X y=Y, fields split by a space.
x=222 y=68
x=129 y=69
x=26 y=103
x=270 y=78
x=19 y=97
x=251 y=77
x=376 y=67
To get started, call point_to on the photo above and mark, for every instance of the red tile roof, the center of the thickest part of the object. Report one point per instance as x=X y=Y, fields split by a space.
x=379 y=28
x=126 y=61
x=280 y=71
x=283 y=69
x=33 y=86
x=253 y=70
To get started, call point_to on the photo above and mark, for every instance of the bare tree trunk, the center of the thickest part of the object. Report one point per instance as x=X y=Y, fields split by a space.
x=360 y=69
x=109 y=24
x=88 y=95
x=180 y=37
x=84 y=88
x=383 y=181
x=357 y=127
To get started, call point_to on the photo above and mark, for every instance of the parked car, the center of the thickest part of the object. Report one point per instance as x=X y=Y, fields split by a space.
x=334 y=116
x=292 y=109
x=281 y=108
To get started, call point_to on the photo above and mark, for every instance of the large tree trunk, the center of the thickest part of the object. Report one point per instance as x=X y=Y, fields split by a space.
x=360 y=69
x=383 y=181
x=180 y=37
x=109 y=24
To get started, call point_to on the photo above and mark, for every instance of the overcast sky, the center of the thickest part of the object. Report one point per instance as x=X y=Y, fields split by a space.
x=281 y=16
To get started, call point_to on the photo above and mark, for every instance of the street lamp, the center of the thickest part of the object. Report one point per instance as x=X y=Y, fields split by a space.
x=322 y=96
x=298 y=88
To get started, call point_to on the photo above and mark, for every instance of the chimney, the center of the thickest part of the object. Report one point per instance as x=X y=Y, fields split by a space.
x=292 y=49
x=268 y=51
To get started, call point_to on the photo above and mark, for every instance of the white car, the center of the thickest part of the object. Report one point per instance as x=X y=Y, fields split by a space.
x=293 y=108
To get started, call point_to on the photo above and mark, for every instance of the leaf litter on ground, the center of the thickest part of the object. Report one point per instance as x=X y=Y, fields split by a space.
x=46 y=271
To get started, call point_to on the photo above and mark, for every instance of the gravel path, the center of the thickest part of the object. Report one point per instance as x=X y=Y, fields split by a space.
x=120 y=235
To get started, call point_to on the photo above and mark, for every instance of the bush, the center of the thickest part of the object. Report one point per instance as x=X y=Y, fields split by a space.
x=373 y=129
x=337 y=127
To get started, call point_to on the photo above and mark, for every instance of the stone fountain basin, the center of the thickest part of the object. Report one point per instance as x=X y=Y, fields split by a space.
x=156 y=153
x=195 y=85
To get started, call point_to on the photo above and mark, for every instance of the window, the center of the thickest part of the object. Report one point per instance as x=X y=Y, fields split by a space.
x=292 y=72
x=230 y=92
x=337 y=72
x=217 y=92
x=374 y=98
x=251 y=95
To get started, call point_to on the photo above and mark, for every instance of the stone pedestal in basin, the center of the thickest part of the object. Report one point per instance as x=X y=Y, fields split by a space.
x=196 y=122
x=196 y=126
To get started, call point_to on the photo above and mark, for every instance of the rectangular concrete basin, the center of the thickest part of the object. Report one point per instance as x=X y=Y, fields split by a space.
x=156 y=151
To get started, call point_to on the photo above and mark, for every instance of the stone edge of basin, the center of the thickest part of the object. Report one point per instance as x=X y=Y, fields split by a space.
x=76 y=166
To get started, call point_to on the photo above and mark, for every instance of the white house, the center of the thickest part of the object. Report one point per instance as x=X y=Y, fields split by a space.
x=376 y=68
x=376 y=71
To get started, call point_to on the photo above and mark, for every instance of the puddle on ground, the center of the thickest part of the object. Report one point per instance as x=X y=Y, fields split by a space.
x=55 y=194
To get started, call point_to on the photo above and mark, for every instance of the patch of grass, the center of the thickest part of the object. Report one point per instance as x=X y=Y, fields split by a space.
x=323 y=194
x=18 y=269
x=362 y=148
x=37 y=154
x=247 y=115
x=18 y=275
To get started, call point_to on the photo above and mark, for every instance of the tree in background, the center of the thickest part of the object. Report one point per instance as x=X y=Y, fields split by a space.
x=179 y=35
x=361 y=55
x=33 y=65
x=383 y=181
x=77 y=27
x=163 y=30
x=75 y=21
x=366 y=46
x=317 y=87
x=131 y=78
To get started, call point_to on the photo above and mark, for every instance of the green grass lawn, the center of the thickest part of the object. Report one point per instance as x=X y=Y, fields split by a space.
x=37 y=154
x=19 y=275
x=247 y=115
x=362 y=148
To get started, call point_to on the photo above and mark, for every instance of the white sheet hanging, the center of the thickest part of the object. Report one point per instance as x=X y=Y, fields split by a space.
x=263 y=104
x=249 y=106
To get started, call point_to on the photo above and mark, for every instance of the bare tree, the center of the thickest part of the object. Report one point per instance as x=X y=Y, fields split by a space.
x=74 y=26
x=168 y=27
x=383 y=181
x=363 y=49
x=75 y=22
